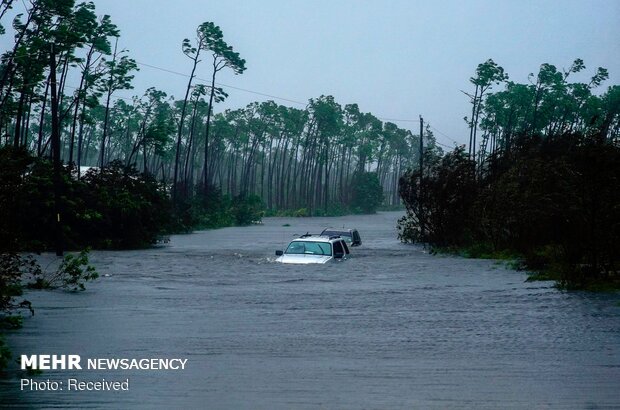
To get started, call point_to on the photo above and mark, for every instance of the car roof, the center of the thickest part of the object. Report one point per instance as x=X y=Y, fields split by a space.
x=348 y=230
x=316 y=238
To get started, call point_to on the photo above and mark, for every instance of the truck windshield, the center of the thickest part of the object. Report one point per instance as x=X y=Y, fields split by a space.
x=309 y=248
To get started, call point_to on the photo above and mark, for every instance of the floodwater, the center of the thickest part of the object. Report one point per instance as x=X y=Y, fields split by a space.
x=392 y=328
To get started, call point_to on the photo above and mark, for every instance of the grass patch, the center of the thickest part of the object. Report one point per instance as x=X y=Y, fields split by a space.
x=481 y=251
x=541 y=277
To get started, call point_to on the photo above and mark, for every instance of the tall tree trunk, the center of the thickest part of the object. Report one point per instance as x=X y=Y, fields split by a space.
x=209 y=111
x=56 y=156
x=18 y=119
x=471 y=121
x=107 y=109
x=81 y=89
x=181 y=122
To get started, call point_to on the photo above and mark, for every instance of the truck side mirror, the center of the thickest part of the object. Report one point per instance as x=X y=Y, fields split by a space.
x=279 y=253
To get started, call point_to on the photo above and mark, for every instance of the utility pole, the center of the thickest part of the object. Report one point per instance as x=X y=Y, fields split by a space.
x=56 y=153
x=421 y=210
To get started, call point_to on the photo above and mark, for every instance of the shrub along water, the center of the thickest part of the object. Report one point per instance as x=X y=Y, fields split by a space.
x=540 y=177
x=115 y=207
x=18 y=271
x=552 y=200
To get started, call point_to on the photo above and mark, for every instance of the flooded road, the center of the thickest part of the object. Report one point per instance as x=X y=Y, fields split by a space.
x=393 y=327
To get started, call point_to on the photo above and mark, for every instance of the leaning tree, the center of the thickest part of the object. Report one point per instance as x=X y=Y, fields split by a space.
x=223 y=56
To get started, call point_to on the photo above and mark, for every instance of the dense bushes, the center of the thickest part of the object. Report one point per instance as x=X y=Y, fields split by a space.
x=555 y=201
x=14 y=269
x=209 y=209
x=123 y=208
x=13 y=166
x=115 y=207
x=447 y=193
x=18 y=271
x=367 y=192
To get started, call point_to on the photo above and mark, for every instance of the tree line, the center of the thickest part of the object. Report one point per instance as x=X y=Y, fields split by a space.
x=539 y=180
x=156 y=164
x=291 y=158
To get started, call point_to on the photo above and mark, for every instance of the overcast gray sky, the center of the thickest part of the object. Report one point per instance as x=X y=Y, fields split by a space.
x=395 y=58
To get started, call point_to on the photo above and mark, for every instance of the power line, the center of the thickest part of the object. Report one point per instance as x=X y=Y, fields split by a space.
x=221 y=84
x=443 y=145
x=455 y=142
x=383 y=119
x=268 y=95
x=177 y=73
x=396 y=119
x=405 y=120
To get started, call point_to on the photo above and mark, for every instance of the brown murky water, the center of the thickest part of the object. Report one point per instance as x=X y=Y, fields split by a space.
x=392 y=328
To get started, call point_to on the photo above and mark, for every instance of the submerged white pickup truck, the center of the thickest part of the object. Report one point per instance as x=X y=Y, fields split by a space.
x=314 y=249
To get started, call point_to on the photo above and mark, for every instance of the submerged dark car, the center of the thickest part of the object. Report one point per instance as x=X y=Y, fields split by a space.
x=351 y=236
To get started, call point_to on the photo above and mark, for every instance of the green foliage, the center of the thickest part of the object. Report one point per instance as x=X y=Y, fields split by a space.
x=443 y=199
x=488 y=73
x=554 y=201
x=335 y=209
x=13 y=164
x=211 y=39
x=14 y=268
x=5 y=354
x=548 y=105
x=297 y=213
x=247 y=210
x=209 y=209
x=543 y=183
x=479 y=251
x=301 y=213
x=367 y=192
x=13 y=321
x=125 y=209
x=72 y=273
x=118 y=77
x=113 y=207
